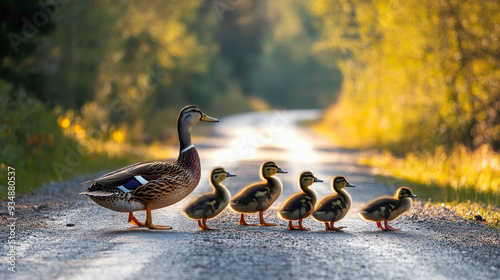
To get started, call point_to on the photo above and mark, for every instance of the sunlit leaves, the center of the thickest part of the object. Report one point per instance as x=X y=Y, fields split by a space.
x=415 y=71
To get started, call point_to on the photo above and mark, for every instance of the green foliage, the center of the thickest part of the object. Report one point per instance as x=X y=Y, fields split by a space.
x=104 y=75
x=29 y=138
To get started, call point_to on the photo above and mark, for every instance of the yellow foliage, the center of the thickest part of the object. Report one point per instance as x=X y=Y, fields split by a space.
x=63 y=122
x=461 y=168
x=118 y=136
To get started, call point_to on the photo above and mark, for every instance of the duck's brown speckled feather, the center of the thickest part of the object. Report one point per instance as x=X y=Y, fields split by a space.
x=170 y=182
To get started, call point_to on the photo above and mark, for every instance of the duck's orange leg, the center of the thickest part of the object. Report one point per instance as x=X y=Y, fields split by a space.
x=388 y=227
x=200 y=225
x=242 y=221
x=291 y=226
x=379 y=225
x=149 y=220
x=327 y=226
x=133 y=220
x=335 y=228
x=301 y=227
x=205 y=227
x=261 y=220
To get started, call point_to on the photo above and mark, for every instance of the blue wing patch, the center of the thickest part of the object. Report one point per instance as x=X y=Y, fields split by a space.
x=135 y=183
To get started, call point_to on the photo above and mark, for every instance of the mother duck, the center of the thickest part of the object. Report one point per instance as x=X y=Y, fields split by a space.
x=153 y=185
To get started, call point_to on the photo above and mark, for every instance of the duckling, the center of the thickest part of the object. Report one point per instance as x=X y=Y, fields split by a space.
x=388 y=208
x=153 y=185
x=210 y=205
x=333 y=208
x=299 y=206
x=258 y=197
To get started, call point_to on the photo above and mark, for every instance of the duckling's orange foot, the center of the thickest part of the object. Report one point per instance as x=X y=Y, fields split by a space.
x=242 y=221
x=379 y=225
x=133 y=220
x=389 y=228
x=300 y=225
x=332 y=227
x=205 y=227
x=200 y=225
x=292 y=226
x=262 y=222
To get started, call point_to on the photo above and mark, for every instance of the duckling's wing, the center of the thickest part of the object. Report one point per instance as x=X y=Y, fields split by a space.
x=204 y=202
x=384 y=204
x=332 y=203
x=294 y=202
x=253 y=193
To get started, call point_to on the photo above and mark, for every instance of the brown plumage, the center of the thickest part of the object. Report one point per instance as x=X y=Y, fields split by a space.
x=153 y=185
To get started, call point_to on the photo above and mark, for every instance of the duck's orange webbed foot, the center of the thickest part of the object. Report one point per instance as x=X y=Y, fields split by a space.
x=327 y=226
x=149 y=221
x=301 y=227
x=388 y=227
x=205 y=227
x=291 y=226
x=379 y=225
x=262 y=222
x=133 y=220
x=335 y=228
x=242 y=221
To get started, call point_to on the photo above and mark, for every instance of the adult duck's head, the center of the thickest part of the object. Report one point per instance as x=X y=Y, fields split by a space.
x=306 y=179
x=270 y=168
x=191 y=115
x=340 y=182
x=188 y=117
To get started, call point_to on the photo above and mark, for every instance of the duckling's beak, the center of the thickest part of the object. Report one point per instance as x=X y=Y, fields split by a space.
x=413 y=195
x=205 y=118
x=230 y=174
x=316 y=180
x=281 y=170
x=350 y=185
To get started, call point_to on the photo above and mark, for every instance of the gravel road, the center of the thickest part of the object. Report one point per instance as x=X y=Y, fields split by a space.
x=63 y=235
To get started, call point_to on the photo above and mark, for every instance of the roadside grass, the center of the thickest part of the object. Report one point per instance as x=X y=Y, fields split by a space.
x=467 y=181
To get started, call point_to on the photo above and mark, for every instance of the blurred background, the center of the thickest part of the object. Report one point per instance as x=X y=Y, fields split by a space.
x=99 y=83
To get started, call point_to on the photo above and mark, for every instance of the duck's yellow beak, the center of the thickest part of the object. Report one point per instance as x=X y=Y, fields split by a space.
x=205 y=118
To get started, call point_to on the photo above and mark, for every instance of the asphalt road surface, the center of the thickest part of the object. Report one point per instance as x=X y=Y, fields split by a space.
x=63 y=235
